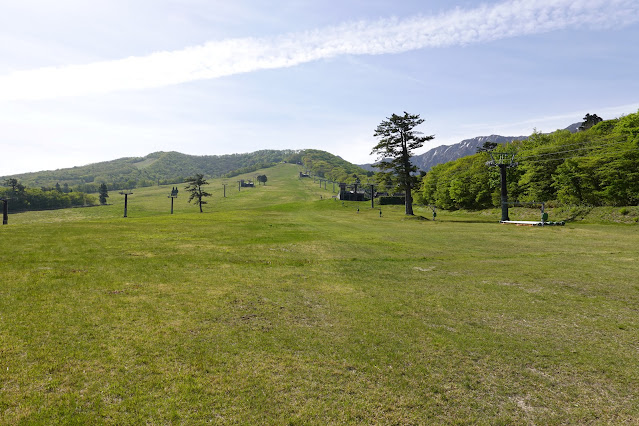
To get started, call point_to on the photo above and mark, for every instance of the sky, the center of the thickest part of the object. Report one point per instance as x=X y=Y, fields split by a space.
x=89 y=81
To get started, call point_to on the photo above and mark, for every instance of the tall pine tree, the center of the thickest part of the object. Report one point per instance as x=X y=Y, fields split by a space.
x=397 y=141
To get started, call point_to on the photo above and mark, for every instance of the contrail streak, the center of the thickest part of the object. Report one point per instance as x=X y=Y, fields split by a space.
x=228 y=57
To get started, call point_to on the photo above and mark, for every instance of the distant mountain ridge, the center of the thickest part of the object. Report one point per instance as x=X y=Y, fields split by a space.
x=446 y=153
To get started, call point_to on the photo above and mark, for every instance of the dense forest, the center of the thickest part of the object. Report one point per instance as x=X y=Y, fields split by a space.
x=596 y=166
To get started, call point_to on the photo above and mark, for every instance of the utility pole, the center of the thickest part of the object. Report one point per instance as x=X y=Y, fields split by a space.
x=5 y=210
x=126 y=199
x=372 y=196
x=503 y=160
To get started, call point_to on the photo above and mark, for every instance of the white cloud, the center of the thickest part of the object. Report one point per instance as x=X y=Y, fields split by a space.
x=233 y=56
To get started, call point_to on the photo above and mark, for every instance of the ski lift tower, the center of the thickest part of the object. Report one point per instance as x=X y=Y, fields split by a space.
x=503 y=160
x=173 y=196
x=126 y=200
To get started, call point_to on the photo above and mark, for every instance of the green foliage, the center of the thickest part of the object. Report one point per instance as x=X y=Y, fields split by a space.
x=22 y=198
x=466 y=183
x=247 y=169
x=386 y=182
x=598 y=166
x=328 y=166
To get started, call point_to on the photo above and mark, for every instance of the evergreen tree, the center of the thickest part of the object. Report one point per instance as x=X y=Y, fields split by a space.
x=194 y=186
x=487 y=146
x=589 y=121
x=398 y=140
x=103 y=193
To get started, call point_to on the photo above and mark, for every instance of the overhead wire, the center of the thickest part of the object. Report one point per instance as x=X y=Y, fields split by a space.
x=580 y=156
x=573 y=150
x=570 y=144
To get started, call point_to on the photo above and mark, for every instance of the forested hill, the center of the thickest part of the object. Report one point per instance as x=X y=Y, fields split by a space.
x=598 y=166
x=165 y=167
x=174 y=167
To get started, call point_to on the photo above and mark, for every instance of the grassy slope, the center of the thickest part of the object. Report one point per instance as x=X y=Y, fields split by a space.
x=275 y=306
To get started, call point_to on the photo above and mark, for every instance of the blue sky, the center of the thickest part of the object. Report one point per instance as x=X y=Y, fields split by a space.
x=82 y=82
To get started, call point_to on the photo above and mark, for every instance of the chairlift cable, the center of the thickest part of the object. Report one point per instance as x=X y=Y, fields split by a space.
x=580 y=156
x=572 y=150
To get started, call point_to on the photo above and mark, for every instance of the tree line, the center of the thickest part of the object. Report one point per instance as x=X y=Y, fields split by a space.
x=22 y=198
x=597 y=165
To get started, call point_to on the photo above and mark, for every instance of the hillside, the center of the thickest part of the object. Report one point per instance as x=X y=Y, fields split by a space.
x=173 y=167
x=165 y=167
x=596 y=167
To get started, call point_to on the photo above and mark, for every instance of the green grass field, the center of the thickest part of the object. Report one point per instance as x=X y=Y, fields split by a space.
x=277 y=307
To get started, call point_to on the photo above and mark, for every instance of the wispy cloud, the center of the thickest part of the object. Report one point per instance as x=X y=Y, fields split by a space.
x=228 y=57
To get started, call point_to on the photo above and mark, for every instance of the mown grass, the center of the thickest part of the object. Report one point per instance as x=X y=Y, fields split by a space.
x=275 y=306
